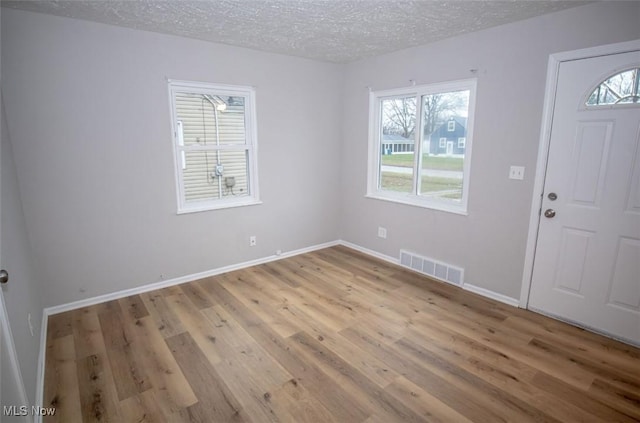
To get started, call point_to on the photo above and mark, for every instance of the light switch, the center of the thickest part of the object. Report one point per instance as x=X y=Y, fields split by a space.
x=516 y=172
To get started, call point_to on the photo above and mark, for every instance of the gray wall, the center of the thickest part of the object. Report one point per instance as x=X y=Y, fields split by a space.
x=21 y=294
x=87 y=105
x=511 y=61
x=88 y=110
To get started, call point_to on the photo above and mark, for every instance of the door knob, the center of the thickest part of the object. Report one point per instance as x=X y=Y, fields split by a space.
x=4 y=276
x=549 y=213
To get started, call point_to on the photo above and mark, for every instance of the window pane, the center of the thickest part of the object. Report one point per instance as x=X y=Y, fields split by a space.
x=211 y=119
x=397 y=120
x=622 y=88
x=444 y=124
x=215 y=174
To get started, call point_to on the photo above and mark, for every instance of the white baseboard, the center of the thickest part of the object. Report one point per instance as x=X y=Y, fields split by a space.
x=466 y=286
x=632 y=342
x=201 y=275
x=369 y=252
x=12 y=356
x=39 y=401
x=208 y=273
x=180 y=280
x=514 y=302
x=49 y=311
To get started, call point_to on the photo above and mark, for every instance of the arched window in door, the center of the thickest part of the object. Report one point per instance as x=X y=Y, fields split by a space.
x=621 y=88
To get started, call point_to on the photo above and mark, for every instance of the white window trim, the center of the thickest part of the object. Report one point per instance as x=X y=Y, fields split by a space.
x=180 y=140
x=442 y=143
x=451 y=126
x=251 y=146
x=373 y=170
x=462 y=142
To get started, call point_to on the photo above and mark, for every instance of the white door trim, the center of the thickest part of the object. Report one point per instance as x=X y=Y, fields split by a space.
x=13 y=354
x=543 y=148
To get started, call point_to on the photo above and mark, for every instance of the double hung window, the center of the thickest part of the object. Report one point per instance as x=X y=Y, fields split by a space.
x=214 y=145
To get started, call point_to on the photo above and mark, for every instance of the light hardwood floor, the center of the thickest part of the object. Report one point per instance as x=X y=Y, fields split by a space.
x=330 y=336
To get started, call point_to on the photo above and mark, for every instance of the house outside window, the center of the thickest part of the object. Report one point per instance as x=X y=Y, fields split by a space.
x=214 y=141
x=622 y=88
x=435 y=171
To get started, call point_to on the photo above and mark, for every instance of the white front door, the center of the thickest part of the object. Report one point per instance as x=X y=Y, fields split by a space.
x=587 y=261
x=449 y=148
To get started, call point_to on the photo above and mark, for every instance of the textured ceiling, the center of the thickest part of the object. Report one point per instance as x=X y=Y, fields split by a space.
x=329 y=30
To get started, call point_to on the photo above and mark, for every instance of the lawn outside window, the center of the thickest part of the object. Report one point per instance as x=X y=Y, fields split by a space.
x=433 y=118
x=214 y=142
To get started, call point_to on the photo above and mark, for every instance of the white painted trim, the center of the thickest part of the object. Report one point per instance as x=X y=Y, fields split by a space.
x=180 y=280
x=603 y=50
x=221 y=204
x=538 y=183
x=632 y=342
x=416 y=201
x=196 y=276
x=370 y=252
x=7 y=336
x=466 y=286
x=201 y=275
x=138 y=290
x=553 y=69
x=491 y=294
x=39 y=400
x=373 y=162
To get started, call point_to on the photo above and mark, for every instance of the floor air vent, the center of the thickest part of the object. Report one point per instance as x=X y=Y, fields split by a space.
x=430 y=267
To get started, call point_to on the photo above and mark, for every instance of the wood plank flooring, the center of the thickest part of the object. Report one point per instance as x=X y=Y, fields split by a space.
x=330 y=336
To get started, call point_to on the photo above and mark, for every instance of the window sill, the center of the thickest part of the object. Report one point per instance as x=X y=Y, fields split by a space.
x=425 y=203
x=200 y=207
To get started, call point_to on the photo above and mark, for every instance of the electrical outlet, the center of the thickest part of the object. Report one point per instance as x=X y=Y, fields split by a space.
x=382 y=232
x=252 y=241
x=516 y=172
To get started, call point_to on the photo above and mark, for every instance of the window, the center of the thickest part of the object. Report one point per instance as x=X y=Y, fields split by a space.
x=451 y=126
x=214 y=145
x=621 y=88
x=426 y=177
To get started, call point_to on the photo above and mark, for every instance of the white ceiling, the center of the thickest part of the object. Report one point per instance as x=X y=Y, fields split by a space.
x=329 y=30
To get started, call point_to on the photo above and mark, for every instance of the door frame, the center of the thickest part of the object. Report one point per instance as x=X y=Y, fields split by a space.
x=7 y=339
x=553 y=69
x=6 y=336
